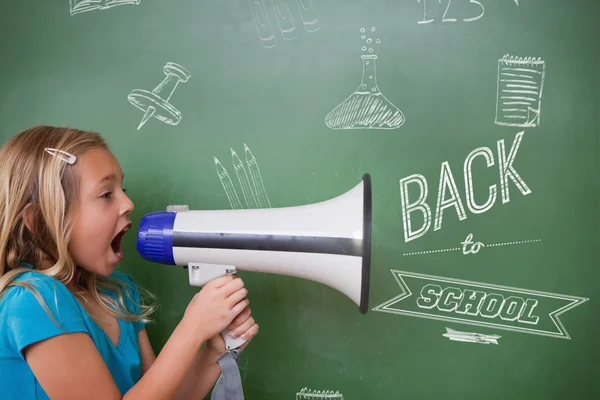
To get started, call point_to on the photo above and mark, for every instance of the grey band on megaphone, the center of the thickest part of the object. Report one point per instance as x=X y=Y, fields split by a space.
x=242 y=241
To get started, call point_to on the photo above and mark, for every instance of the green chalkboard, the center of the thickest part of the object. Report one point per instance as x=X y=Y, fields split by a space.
x=478 y=122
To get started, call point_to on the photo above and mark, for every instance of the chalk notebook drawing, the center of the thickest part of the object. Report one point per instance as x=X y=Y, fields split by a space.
x=367 y=107
x=519 y=91
x=250 y=181
x=309 y=394
x=284 y=19
x=80 y=6
x=156 y=103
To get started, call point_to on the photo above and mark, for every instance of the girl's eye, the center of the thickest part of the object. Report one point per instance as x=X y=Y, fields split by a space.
x=106 y=195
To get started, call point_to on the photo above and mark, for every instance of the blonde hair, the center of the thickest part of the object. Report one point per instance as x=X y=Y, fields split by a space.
x=31 y=176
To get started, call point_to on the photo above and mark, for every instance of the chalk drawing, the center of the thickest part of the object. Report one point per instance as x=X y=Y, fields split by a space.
x=310 y=394
x=367 y=107
x=519 y=91
x=284 y=18
x=477 y=13
x=470 y=247
x=81 y=6
x=308 y=15
x=470 y=337
x=480 y=304
x=262 y=23
x=156 y=103
x=250 y=181
x=448 y=195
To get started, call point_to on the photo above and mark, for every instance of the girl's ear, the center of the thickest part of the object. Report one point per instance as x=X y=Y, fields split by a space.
x=29 y=216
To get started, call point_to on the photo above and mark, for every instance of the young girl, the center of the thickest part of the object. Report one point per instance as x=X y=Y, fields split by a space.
x=71 y=326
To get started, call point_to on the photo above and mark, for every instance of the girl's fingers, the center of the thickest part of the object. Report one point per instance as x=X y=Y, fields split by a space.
x=243 y=316
x=251 y=332
x=236 y=297
x=239 y=307
x=242 y=328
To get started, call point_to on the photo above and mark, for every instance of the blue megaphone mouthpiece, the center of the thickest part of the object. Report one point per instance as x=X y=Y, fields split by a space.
x=155 y=237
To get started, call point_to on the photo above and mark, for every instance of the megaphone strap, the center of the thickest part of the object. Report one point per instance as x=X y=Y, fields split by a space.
x=229 y=384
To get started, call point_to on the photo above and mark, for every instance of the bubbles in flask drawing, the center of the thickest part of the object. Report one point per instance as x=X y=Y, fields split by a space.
x=367 y=107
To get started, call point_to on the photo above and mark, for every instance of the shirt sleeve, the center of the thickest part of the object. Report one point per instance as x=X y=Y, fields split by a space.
x=28 y=322
x=134 y=292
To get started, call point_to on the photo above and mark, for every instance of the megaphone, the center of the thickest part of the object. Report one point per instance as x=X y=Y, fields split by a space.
x=327 y=242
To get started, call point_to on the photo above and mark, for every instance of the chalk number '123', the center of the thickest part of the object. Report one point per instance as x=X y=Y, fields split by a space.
x=444 y=19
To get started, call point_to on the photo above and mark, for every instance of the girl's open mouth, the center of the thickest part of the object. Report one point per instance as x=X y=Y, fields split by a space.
x=116 y=242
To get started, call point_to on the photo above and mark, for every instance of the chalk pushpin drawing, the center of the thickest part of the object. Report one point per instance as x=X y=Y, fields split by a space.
x=157 y=102
x=310 y=394
x=519 y=91
x=250 y=181
x=80 y=6
x=285 y=21
x=367 y=107
x=470 y=337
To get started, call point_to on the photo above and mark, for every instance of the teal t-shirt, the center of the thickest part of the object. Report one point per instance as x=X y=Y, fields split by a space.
x=23 y=321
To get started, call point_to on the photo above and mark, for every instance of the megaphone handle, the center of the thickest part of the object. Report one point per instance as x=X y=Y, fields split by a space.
x=202 y=273
x=230 y=342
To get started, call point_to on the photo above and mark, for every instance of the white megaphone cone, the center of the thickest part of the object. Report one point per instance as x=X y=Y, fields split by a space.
x=327 y=242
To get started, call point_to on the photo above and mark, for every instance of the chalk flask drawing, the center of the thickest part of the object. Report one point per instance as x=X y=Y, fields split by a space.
x=251 y=182
x=310 y=394
x=519 y=91
x=156 y=103
x=367 y=107
x=80 y=6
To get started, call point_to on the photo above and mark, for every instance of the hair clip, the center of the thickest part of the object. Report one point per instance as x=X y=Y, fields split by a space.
x=70 y=158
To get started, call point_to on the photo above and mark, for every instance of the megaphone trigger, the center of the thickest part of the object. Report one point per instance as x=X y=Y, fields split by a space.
x=201 y=273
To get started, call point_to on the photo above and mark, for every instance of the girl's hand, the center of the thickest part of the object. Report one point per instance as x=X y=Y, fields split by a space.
x=215 y=307
x=243 y=325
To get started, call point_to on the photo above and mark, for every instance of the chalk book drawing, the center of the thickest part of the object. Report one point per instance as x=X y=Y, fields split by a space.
x=519 y=91
x=284 y=19
x=251 y=182
x=367 y=107
x=310 y=394
x=80 y=6
x=157 y=102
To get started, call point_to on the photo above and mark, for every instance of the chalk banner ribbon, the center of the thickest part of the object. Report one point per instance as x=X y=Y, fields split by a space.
x=481 y=304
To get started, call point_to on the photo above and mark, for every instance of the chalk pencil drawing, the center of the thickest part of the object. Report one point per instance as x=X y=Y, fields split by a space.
x=81 y=6
x=520 y=84
x=262 y=23
x=471 y=337
x=367 y=107
x=310 y=394
x=157 y=102
x=249 y=179
x=308 y=15
x=284 y=19
x=481 y=304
